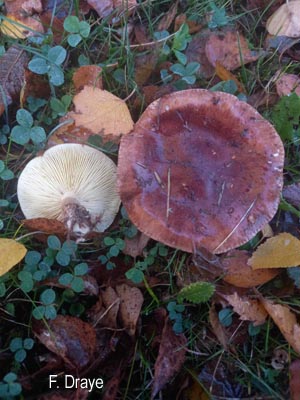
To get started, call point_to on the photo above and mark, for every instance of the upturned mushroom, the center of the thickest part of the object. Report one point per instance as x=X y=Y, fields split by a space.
x=201 y=168
x=73 y=183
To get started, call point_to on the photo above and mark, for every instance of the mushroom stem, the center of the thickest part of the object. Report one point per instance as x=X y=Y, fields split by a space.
x=77 y=219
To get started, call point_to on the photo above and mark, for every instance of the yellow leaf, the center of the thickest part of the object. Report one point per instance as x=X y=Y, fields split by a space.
x=285 y=21
x=13 y=28
x=11 y=252
x=281 y=251
x=101 y=112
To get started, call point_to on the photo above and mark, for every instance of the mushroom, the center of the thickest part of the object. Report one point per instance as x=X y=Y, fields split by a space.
x=201 y=169
x=73 y=183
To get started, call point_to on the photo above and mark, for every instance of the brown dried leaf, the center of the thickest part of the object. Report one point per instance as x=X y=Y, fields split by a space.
x=240 y=274
x=144 y=67
x=130 y=306
x=12 y=70
x=97 y=112
x=280 y=251
x=105 y=7
x=286 y=20
x=70 y=338
x=27 y=7
x=134 y=247
x=35 y=86
x=230 y=48
x=217 y=328
x=168 y=18
x=194 y=27
x=248 y=309
x=285 y=320
x=292 y=194
x=196 y=52
x=294 y=379
x=287 y=84
x=88 y=75
x=171 y=357
x=48 y=226
x=111 y=302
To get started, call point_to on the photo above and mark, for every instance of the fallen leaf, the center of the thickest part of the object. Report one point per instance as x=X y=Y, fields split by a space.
x=88 y=75
x=144 y=66
x=97 y=112
x=226 y=75
x=170 y=359
x=27 y=7
x=105 y=8
x=291 y=193
x=11 y=252
x=134 y=246
x=280 y=251
x=112 y=386
x=130 y=306
x=196 y=52
x=111 y=302
x=196 y=392
x=48 y=226
x=68 y=337
x=294 y=379
x=12 y=70
x=285 y=21
x=13 y=28
x=194 y=26
x=285 y=320
x=56 y=25
x=287 y=84
x=35 y=86
x=230 y=48
x=248 y=309
x=217 y=328
x=166 y=21
x=240 y=274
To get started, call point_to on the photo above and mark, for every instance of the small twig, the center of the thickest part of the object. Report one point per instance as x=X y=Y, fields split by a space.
x=106 y=311
x=169 y=191
x=154 y=42
x=236 y=227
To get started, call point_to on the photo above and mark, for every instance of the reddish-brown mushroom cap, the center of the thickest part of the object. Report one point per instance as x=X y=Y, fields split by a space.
x=201 y=168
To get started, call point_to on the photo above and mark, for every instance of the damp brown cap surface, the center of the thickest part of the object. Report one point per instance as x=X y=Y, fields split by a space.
x=201 y=168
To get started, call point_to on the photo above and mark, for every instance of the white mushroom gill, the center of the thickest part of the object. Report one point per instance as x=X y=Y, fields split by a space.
x=73 y=183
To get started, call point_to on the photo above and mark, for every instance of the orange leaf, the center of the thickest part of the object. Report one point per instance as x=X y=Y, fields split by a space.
x=286 y=322
x=281 y=251
x=97 y=112
x=240 y=274
x=226 y=75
